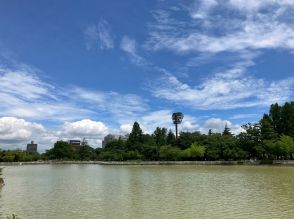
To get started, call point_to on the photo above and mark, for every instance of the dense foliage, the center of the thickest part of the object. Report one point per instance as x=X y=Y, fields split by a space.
x=1 y=179
x=18 y=155
x=270 y=138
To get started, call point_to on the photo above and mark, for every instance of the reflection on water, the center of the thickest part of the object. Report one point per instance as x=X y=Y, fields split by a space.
x=94 y=191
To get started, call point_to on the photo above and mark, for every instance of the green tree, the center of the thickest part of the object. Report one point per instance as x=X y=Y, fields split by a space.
x=250 y=140
x=285 y=146
x=287 y=119
x=61 y=150
x=186 y=139
x=267 y=129
x=135 y=139
x=170 y=153
x=85 y=152
x=111 y=155
x=194 y=152
x=227 y=131
x=160 y=136
x=275 y=116
x=171 y=138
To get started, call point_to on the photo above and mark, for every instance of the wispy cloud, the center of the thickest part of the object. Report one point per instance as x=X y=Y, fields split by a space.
x=230 y=29
x=24 y=94
x=226 y=90
x=99 y=36
x=129 y=46
x=220 y=27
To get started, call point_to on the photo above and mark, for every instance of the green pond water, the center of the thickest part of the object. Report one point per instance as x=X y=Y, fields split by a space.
x=96 y=191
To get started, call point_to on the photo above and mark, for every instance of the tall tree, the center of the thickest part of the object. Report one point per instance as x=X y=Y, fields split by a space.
x=275 y=116
x=267 y=129
x=227 y=131
x=160 y=136
x=136 y=134
x=287 y=119
x=135 y=139
x=171 y=138
x=250 y=139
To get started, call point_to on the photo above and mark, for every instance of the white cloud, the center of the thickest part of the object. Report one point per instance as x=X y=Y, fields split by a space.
x=161 y=118
x=24 y=94
x=126 y=128
x=188 y=126
x=246 y=116
x=129 y=46
x=253 y=5
x=16 y=133
x=201 y=9
x=99 y=36
x=119 y=105
x=92 y=131
x=218 y=125
x=225 y=90
x=265 y=25
x=31 y=87
x=14 y=129
x=236 y=26
x=84 y=128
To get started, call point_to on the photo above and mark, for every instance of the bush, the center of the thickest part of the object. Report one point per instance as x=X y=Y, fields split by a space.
x=266 y=162
x=194 y=152
x=170 y=153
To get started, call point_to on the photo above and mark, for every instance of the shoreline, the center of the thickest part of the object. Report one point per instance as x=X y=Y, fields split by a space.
x=126 y=163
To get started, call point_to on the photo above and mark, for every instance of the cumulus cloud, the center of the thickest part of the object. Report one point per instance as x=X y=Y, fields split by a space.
x=16 y=133
x=126 y=128
x=218 y=125
x=16 y=130
x=92 y=131
x=99 y=36
x=84 y=128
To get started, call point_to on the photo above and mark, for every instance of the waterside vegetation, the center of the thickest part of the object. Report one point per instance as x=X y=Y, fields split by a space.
x=1 y=179
x=270 y=138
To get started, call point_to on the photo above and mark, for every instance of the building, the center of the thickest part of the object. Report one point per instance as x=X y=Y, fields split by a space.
x=75 y=143
x=111 y=137
x=32 y=147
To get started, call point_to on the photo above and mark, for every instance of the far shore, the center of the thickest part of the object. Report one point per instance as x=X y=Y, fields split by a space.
x=245 y=162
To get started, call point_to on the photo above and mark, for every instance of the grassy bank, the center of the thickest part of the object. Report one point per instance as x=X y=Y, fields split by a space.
x=245 y=162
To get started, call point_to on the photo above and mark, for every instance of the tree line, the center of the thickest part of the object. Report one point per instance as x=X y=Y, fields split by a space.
x=270 y=138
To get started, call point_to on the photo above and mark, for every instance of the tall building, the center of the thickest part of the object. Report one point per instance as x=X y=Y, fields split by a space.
x=32 y=147
x=111 y=137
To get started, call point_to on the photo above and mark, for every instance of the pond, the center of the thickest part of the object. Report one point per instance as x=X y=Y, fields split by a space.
x=97 y=191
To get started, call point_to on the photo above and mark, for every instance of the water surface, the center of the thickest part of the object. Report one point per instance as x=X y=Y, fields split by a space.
x=95 y=191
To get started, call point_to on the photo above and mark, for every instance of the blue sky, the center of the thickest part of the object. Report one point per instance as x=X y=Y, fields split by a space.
x=74 y=69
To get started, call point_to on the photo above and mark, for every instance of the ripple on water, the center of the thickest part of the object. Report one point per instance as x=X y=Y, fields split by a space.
x=93 y=191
